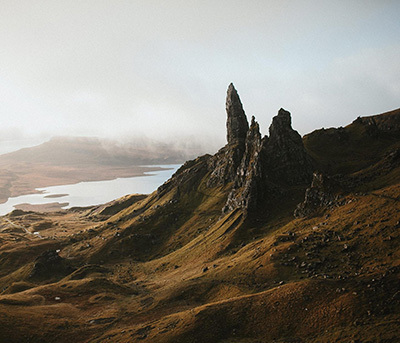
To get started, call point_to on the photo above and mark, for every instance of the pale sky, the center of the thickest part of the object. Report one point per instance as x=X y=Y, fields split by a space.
x=120 y=69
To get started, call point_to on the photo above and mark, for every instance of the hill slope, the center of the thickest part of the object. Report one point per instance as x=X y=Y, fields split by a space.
x=68 y=160
x=216 y=254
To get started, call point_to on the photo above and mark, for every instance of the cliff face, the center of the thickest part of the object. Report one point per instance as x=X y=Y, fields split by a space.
x=254 y=173
x=236 y=122
x=224 y=164
x=250 y=181
x=287 y=159
x=270 y=165
x=170 y=267
x=350 y=149
x=323 y=192
x=267 y=165
x=258 y=169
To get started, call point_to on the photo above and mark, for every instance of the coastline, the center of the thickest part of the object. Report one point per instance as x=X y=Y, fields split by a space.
x=145 y=180
x=21 y=180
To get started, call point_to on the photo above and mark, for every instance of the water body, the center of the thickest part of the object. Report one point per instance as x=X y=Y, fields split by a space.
x=93 y=192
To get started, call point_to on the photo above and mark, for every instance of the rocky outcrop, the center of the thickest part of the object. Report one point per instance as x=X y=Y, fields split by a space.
x=50 y=264
x=269 y=165
x=287 y=160
x=248 y=174
x=224 y=164
x=322 y=193
x=236 y=123
x=259 y=169
x=186 y=178
x=385 y=122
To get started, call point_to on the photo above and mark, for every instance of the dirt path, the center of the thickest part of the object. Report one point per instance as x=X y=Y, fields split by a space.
x=36 y=234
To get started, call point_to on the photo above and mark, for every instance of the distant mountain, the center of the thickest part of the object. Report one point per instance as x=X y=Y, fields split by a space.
x=66 y=160
x=86 y=150
x=272 y=239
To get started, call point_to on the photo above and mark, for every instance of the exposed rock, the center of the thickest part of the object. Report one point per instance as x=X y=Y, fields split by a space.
x=252 y=148
x=386 y=122
x=248 y=175
x=323 y=192
x=187 y=177
x=48 y=264
x=223 y=165
x=287 y=159
x=259 y=169
x=269 y=165
x=236 y=123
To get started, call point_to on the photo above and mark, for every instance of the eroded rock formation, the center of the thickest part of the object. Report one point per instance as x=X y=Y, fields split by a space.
x=269 y=165
x=225 y=163
x=385 y=122
x=48 y=264
x=319 y=195
x=236 y=123
x=287 y=160
x=258 y=169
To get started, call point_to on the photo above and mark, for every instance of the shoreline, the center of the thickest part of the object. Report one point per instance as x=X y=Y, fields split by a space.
x=92 y=192
x=38 y=178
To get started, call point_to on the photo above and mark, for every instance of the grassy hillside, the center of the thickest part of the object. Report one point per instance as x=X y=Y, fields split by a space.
x=172 y=267
x=356 y=146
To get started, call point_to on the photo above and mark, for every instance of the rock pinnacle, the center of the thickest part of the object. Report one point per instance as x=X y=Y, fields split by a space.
x=236 y=124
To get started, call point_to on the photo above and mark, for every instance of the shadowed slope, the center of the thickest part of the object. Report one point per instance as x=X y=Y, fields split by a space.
x=215 y=254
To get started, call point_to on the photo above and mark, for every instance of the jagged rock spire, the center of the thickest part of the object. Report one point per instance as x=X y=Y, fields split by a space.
x=236 y=124
x=270 y=166
x=259 y=169
x=287 y=158
x=225 y=163
x=282 y=125
x=245 y=187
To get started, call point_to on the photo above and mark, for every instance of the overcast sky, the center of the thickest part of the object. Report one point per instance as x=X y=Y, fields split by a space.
x=119 y=69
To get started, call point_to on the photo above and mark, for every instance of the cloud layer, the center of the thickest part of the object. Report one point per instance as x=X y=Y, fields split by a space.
x=161 y=68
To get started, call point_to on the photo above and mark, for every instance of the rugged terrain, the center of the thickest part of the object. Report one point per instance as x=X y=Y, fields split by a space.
x=273 y=239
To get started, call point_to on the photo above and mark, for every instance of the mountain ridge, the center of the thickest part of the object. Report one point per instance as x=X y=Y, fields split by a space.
x=216 y=254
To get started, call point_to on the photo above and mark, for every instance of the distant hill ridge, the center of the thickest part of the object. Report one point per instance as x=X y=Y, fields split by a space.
x=272 y=239
x=89 y=150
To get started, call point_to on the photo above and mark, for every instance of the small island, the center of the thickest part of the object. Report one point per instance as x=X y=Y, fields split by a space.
x=50 y=207
x=51 y=196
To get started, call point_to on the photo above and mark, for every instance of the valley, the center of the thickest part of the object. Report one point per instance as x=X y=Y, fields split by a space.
x=280 y=238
